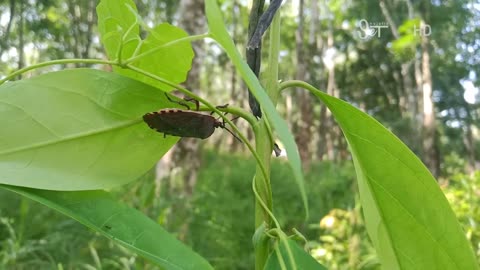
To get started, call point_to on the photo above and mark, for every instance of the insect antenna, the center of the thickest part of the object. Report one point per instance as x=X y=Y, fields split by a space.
x=225 y=127
x=233 y=134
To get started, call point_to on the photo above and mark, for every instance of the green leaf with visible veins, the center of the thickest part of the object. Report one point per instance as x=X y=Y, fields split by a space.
x=127 y=226
x=78 y=129
x=408 y=218
x=118 y=27
x=172 y=62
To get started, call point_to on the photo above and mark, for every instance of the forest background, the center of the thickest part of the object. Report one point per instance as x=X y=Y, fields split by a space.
x=421 y=83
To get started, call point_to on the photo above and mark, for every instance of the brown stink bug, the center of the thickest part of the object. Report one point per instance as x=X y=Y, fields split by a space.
x=184 y=123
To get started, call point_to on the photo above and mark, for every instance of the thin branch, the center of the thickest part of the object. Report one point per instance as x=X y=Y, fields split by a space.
x=389 y=19
x=4 y=42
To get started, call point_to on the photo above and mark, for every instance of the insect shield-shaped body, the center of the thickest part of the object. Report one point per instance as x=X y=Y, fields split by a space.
x=182 y=123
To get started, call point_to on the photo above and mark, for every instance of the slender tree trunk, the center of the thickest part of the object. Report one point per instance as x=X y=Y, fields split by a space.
x=186 y=153
x=322 y=128
x=412 y=88
x=333 y=132
x=74 y=16
x=418 y=93
x=430 y=151
x=324 y=145
x=21 y=37
x=314 y=23
x=469 y=141
x=330 y=135
x=471 y=149
x=187 y=150
x=234 y=94
x=5 y=41
x=407 y=99
x=91 y=19
x=304 y=134
x=408 y=96
x=83 y=16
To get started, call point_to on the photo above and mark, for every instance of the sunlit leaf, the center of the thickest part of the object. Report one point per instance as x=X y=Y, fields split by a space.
x=408 y=218
x=119 y=29
x=78 y=129
x=127 y=226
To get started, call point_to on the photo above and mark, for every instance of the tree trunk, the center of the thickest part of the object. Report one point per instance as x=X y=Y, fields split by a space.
x=234 y=93
x=21 y=40
x=418 y=93
x=83 y=17
x=91 y=19
x=187 y=152
x=314 y=46
x=304 y=135
x=5 y=41
x=333 y=132
x=469 y=143
x=74 y=10
x=430 y=153
x=469 y=139
x=408 y=101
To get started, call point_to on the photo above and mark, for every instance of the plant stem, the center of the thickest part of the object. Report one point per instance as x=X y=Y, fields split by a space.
x=299 y=84
x=212 y=108
x=237 y=111
x=264 y=147
x=56 y=62
x=262 y=184
x=168 y=44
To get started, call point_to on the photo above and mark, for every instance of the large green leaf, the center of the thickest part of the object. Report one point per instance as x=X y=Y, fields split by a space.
x=78 y=129
x=303 y=260
x=127 y=226
x=408 y=218
x=220 y=34
x=119 y=28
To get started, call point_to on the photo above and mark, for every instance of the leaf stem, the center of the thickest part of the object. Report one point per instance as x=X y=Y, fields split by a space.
x=296 y=83
x=168 y=44
x=209 y=105
x=56 y=62
x=235 y=111
x=264 y=146
x=117 y=62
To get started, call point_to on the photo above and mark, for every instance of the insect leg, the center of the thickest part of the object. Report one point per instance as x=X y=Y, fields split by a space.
x=221 y=107
x=178 y=102
x=190 y=99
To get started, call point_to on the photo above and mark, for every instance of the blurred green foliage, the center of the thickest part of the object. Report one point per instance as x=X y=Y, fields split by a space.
x=35 y=237
x=216 y=219
x=463 y=192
